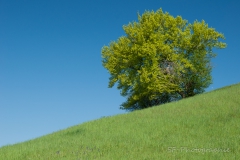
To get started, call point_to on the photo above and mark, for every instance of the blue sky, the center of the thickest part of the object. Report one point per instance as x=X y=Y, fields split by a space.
x=51 y=75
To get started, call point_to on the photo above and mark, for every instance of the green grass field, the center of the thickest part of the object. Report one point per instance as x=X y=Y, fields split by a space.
x=204 y=127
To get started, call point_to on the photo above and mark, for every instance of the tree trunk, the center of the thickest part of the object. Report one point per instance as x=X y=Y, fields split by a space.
x=183 y=95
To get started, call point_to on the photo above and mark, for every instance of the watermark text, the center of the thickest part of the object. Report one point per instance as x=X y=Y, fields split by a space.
x=198 y=150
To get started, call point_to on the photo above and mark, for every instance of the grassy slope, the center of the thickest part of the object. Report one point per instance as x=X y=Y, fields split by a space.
x=207 y=121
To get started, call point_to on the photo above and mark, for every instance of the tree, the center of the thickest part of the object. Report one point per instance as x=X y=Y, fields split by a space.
x=161 y=59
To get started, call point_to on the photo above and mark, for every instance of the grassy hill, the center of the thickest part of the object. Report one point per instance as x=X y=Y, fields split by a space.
x=206 y=126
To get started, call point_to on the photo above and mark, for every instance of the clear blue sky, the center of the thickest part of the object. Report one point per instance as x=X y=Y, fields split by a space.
x=51 y=75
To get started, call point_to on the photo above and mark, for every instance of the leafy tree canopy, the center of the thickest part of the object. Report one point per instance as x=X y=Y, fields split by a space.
x=161 y=58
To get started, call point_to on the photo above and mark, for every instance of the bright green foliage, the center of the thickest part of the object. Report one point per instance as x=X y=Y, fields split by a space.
x=161 y=57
